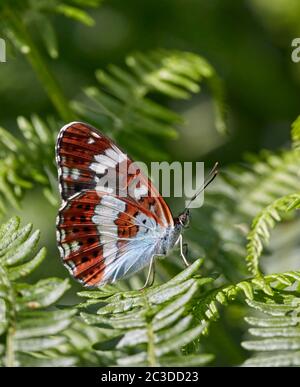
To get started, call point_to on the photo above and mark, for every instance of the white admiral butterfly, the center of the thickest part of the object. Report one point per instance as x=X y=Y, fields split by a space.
x=104 y=236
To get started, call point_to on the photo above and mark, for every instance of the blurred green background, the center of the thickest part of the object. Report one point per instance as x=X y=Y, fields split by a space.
x=247 y=42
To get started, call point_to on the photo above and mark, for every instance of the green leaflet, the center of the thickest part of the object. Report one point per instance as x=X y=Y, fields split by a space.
x=273 y=332
x=24 y=323
x=38 y=344
x=285 y=321
x=277 y=337
x=280 y=360
x=27 y=268
x=272 y=309
x=47 y=323
x=40 y=295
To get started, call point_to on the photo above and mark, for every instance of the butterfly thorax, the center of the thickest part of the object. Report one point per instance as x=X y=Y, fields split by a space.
x=172 y=234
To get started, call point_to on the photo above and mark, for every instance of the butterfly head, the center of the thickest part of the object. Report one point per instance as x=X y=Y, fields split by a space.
x=183 y=219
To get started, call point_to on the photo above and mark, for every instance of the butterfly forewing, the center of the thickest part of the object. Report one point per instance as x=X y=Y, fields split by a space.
x=76 y=148
x=86 y=158
x=104 y=235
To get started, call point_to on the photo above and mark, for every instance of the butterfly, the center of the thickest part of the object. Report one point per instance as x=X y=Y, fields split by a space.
x=103 y=235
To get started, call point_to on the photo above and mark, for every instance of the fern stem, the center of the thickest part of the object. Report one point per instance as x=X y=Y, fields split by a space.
x=151 y=349
x=42 y=71
x=150 y=333
x=10 y=352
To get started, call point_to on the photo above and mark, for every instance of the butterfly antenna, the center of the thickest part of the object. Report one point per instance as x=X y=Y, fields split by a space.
x=210 y=178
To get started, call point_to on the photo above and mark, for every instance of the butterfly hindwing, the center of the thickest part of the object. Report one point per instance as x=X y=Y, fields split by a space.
x=103 y=238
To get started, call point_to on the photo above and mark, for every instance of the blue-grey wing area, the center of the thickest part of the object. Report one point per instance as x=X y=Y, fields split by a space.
x=103 y=238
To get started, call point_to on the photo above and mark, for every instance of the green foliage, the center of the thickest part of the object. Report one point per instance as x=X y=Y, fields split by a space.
x=35 y=15
x=149 y=327
x=20 y=19
x=268 y=191
x=32 y=333
x=240 y=194
x=296 y=134
x=154 y=326
x=27 y=329
x=275 y=332
x=28 y=161
x=206 y=307
x=124 y=110
x=123 y=106
x=262 y=223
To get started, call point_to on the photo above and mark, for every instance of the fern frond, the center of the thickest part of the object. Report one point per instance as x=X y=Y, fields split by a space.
x=267 y=177
x=232 y=202
x=153 y=326
x=124 y=108
x=276 y=333
x=80 y=339
x=149 y=327
x=26 y=327
x=206 y=307
x=35 y=14
x=261 y=226
x=28 y=161
x=18 y=21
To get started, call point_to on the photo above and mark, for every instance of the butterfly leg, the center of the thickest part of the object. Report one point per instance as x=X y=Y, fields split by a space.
x=151 y=270
x=185 y=249
x=182 y=246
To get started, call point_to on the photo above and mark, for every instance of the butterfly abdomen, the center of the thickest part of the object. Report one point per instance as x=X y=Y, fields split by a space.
x=169 y=239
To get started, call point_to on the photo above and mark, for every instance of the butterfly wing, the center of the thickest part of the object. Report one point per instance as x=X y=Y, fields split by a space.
x=85 y=157
x=103 y=238
x=77 y=146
